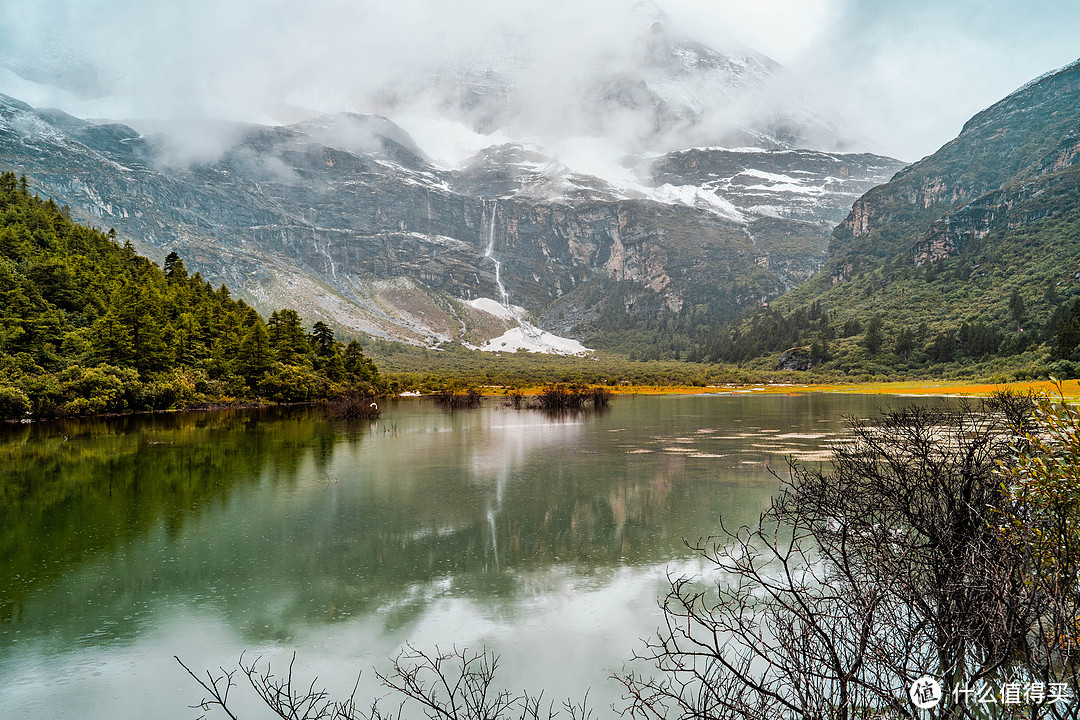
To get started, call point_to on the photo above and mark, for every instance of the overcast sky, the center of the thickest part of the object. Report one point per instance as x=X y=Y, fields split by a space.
x=908 y=73
x=903 y=75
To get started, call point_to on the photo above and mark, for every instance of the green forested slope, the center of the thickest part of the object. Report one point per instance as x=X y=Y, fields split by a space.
x=88 y=326
x=1006 y=305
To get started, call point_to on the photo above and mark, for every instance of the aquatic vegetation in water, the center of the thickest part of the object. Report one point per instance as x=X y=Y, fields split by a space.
x=354 y=407
x=459 y=400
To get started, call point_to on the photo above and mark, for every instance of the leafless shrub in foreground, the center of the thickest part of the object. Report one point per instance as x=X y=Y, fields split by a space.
x=454 y=685
x=865 y=575
x=286 y=699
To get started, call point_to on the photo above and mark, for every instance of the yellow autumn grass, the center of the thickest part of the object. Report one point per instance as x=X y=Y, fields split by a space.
x=944 y=388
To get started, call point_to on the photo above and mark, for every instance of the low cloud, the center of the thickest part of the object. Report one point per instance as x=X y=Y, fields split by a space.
x=897 y=78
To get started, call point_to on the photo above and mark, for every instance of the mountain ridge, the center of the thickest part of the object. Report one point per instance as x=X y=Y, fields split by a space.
x=997 y=147
x=281 y=214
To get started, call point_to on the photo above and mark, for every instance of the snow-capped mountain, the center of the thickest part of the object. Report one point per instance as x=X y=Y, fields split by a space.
x=588 y=190
x=346 y=218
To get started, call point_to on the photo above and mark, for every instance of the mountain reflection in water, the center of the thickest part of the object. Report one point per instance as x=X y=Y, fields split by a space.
x=129 y=540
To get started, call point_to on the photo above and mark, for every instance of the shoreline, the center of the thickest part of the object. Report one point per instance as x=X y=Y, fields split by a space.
x=1070 y=390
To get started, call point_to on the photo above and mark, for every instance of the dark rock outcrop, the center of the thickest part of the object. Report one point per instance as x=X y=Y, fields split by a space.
x=794 y=359
x=999 y=211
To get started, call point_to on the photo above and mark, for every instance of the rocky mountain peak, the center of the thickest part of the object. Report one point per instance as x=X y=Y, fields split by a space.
x=974 y=183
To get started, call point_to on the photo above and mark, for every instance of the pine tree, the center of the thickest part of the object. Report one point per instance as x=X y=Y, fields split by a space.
x=872 y=338
x=334 y=368
x=1067 y=337
x=174 y=267
x=112 y=341
x=254 y=358
x=138 y=307
x=287 y=338
x=322 y=339
x=943 y=347
x=186 y=340
x=357 y=364
x=1017 y=309
x=224 y=353
x=905 y=342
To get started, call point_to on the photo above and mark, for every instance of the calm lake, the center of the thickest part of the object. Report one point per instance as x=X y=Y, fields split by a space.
x=127 y=541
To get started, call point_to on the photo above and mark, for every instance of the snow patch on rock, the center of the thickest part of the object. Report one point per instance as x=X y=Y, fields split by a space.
x=697 y=197
x=492 y=307
x=533 y=339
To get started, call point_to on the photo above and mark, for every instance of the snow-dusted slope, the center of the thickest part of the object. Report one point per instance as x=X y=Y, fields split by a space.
x=347 y=217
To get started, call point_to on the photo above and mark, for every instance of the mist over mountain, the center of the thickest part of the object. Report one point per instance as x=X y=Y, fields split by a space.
x=594 y=172
x=615 y=69
x=897 y=79
x=656 y=90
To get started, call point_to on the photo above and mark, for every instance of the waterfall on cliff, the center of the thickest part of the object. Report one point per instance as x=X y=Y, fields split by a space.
x=537 y=337
x=490 y=253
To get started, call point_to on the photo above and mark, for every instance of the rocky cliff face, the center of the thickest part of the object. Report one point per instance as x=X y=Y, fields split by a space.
x=1002 y=210
x=791 y=199
x=345 y=219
